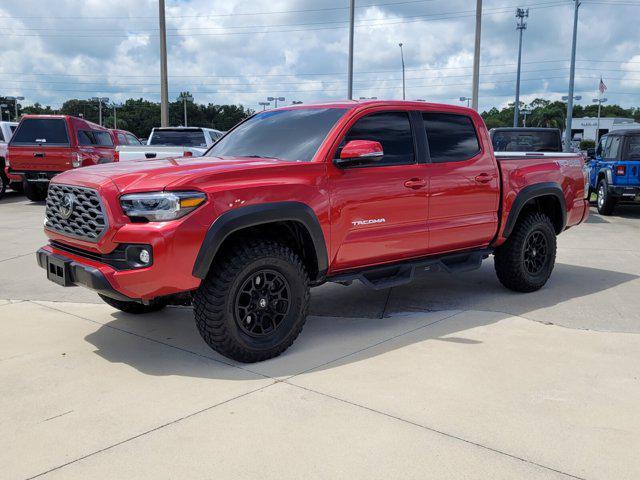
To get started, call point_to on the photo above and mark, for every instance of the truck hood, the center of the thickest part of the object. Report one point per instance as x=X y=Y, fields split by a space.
x=154 y=175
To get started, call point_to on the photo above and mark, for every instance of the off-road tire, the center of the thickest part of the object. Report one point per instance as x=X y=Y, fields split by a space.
x=3 y=184
x=34 y=192
x=134 y=308
x=215 y=303
x=606 y=202
x=511 y=258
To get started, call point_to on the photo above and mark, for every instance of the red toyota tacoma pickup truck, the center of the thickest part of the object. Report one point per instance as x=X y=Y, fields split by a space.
x=297 y=196
x=45 y=145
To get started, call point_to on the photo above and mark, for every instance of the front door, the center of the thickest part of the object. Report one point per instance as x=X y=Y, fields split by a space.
x=379 y=209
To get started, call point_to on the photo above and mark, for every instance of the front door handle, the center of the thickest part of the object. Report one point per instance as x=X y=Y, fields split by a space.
x=415 y=183
x=38 y=155
x=483 y=178
x=150 y=155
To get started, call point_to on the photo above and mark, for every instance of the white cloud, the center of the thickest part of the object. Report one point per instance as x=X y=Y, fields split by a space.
x=77 y=48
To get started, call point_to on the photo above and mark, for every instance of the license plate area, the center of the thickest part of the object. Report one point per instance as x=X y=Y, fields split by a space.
x=59 y=271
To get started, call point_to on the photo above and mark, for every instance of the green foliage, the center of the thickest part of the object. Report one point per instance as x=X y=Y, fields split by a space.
x=545 y=113
x=585 y=144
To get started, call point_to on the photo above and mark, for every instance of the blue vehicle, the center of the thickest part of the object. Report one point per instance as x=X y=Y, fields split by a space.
x=614 y=172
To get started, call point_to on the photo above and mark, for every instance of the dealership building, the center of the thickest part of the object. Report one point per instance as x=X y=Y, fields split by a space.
x=585 y=128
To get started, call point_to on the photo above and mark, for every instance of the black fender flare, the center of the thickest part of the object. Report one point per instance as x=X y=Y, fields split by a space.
x=530 y=192
x=261 y=214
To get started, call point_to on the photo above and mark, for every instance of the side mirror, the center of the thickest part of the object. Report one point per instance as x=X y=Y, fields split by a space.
x=358 y=152
x=591 y=153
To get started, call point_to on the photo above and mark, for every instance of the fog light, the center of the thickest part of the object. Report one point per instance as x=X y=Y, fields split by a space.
x=144 y=256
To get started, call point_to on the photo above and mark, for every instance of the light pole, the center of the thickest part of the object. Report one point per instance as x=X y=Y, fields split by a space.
x=521 y=26
x=572 y=78
x=115 y=117
x=402 y=58
x=185 y=98
x=100 y=101
x=276 y=100
x=465 y=99
x=599 y=101
x=164 y=82
x=16 y=105
x=264 y=105
x=567 y=136
x=525 y=112
x=352 y=8
x=476 y=56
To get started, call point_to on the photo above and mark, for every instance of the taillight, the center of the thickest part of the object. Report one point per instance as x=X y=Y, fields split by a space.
x=621 y=170
x=116 y=156
x=187 y=154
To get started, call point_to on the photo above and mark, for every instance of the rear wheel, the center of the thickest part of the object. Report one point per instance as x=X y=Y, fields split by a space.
x=3 y=184
x=606 y=202
x=254 y=302
x=525 y=261
x=133 y=307
x=35 y=192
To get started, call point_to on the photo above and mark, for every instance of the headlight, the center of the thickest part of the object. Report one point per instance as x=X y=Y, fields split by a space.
x=161 y=206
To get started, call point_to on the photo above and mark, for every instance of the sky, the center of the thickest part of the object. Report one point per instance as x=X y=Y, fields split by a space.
x=241 y=51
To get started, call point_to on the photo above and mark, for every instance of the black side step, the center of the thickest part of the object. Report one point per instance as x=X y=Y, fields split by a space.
x=386 y=276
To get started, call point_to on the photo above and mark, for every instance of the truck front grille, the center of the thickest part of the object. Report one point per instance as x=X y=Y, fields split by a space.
x=75 y=212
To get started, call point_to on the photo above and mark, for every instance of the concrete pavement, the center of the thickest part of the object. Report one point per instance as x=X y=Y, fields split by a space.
x=449 y=377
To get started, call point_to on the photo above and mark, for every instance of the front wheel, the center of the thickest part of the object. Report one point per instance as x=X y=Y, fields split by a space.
x=253 y=303
x=525 y=261
x=606 y=202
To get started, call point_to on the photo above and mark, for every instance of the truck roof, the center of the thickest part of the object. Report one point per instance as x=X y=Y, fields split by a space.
x=352 y=104
x=76 y=121
x=625 y=131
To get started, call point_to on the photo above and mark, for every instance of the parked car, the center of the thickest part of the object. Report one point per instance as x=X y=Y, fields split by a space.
x=298 y=196
x=123 y=137
x=614 y=170
x=6 y=132
x=526 y=139
x=45 y=145
x=172 y=142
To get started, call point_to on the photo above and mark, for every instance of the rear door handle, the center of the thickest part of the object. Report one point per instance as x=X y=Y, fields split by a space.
x=483 y=178
x=40 y=155
x=415 y=183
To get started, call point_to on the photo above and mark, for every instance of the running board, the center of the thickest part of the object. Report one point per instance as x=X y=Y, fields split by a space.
x=387 y=276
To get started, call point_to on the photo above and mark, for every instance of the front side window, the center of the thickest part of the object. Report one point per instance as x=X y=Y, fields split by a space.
x=131 y=140
x=613 y=147
x=392 y=130
x=292 y=135
x=602 y=147
x=451 y=137
x=43 y=131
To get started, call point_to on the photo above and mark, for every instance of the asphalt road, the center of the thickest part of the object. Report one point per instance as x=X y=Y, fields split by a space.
x=448 y=377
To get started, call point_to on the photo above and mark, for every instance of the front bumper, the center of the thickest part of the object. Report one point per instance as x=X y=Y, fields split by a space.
x=625 y=193
x=67 y=272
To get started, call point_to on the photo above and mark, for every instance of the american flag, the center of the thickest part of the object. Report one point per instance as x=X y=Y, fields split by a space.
x=602 y=87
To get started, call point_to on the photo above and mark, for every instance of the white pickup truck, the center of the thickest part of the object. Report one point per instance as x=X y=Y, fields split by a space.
x=6 y=132
x=171 y=142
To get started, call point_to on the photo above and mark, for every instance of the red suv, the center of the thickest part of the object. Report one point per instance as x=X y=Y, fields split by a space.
x=45 y=145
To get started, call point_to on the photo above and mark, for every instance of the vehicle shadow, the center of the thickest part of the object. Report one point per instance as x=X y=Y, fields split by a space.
x=627 y=211
x=13 y=197
x=428 y=309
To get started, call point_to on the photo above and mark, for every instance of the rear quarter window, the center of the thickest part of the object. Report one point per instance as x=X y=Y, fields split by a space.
x=41 y=131
x=451 y=137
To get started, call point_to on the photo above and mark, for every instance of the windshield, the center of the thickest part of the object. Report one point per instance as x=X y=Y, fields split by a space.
x=526 y=141
x=283 y=134
x=178 y=138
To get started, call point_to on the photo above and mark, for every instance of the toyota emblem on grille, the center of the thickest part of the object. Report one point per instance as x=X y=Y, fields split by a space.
x=67 y=205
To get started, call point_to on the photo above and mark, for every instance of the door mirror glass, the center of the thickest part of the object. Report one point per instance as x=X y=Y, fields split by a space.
x=358 y=152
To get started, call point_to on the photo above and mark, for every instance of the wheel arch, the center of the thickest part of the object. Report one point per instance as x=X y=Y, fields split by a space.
x=295 y=223
x=546 y=197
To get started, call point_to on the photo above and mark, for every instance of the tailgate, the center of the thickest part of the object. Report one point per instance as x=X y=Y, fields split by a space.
x=39 y=158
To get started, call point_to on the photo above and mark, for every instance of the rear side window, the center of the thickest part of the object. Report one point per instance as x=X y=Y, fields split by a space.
x=633 y=148
x=44 y=131
x=122 y=139
x=392 y=130
x=452 y=138
x=179 y=138
x=95 y=138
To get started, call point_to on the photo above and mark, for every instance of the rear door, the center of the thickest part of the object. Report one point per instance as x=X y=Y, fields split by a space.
x=630 y=160
x=379 y=209
x=464 y=184
x=41 y=145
